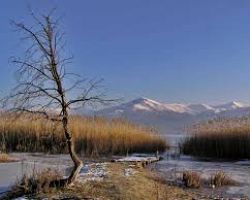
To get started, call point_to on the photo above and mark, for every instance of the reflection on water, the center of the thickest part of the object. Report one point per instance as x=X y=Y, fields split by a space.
x=174 y=164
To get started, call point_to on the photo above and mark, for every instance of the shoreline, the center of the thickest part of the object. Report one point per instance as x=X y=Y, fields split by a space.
x=127 y=170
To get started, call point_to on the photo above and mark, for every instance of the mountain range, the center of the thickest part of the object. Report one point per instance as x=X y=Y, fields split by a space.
x=172 y=117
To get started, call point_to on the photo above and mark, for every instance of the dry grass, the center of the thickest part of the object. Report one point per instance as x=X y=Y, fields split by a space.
x=224 y=139
x=5 y=158
x=191 y=179
x=93 y=136
x=221 y=179
x=143 y=185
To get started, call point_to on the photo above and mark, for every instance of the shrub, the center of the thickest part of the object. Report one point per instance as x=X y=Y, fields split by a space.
x=191 y=179
x=221 y=179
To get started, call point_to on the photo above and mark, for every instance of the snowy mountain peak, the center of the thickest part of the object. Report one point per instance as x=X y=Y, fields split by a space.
x=199 y=108
x=235 y=104
x=142 y=100
x=230 y=106
x=147 y=105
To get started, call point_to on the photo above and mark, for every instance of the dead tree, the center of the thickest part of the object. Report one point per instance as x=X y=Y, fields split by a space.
x=43 y=83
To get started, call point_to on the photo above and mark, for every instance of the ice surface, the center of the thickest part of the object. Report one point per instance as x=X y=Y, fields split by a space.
x=11 y=172
x=136 y=159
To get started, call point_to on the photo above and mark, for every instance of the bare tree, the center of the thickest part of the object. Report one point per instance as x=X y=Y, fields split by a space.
x=42 y=78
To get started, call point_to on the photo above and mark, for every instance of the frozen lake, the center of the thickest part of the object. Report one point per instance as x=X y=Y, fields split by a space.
x=174 y=164
x=172 y=167
x=11 y=172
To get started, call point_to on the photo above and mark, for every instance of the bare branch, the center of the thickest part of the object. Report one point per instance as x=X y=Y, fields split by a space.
x=87 y=97
x=23 y=63
x=42 y=113
x=91 y=99
x=33 y=35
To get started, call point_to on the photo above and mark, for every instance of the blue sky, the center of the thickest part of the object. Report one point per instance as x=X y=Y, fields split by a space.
x=173 y=51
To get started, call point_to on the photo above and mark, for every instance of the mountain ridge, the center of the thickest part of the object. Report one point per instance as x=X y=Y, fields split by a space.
x=172 y=116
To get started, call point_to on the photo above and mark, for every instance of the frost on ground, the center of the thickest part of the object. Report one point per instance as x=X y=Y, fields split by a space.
x=93 y=172
x=129 y=171
x=99 y=171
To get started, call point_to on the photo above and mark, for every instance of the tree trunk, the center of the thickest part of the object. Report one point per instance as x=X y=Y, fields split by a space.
x=77 y=162
x=71 y=148
x=70 y=143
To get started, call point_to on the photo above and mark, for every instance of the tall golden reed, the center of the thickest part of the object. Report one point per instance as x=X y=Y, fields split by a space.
x=221 y=138
x=93 y=136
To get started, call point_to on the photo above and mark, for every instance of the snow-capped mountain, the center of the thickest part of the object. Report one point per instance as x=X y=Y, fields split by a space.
x=169 y=117
x=145 y=104
x=230 y=106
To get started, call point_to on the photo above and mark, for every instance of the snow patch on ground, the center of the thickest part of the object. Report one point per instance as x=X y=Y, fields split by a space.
x=129 y=172
x=136 y=159
x=93 y=172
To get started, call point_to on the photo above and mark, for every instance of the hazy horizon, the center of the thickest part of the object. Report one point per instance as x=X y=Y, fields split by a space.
x=170 y=51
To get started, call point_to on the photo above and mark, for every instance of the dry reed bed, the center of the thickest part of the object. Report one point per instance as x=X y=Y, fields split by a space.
x=93 y=136
x=222 y=139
